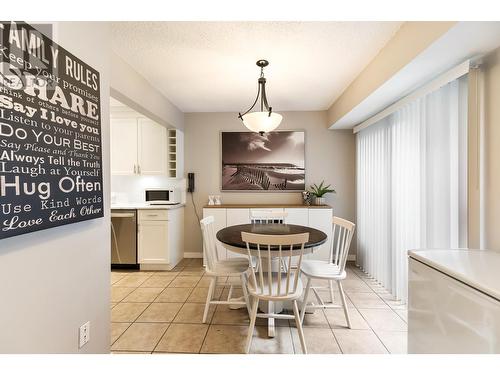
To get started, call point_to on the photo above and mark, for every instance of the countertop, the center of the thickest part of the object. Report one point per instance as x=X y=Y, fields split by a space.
x=144 y=206
x=477 y=268
x=277 y=205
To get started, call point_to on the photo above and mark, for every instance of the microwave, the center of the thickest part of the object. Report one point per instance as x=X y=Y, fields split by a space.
x=162 y=196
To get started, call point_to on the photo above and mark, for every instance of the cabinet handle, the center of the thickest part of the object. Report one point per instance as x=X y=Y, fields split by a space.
x=138 y=169
x=134 y=169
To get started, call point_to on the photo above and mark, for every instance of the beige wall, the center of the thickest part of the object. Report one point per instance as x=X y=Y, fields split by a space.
x=132 y=89
x=330 y=156
x=410 y=40
x=491 y=154
x=53 y=281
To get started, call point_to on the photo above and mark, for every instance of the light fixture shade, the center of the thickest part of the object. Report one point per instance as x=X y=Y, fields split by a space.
x=261 y=122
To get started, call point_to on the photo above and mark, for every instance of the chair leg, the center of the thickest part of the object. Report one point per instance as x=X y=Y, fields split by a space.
x=330 y=282
x=245 y=292
x=344 y=304
x=210 y=294
x=299 y=327
x=253 y=318
x=304 y=302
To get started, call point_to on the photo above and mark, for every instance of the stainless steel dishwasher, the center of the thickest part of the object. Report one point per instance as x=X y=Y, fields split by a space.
x=124 y=239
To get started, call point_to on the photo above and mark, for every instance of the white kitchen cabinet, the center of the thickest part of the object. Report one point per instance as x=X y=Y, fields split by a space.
x=315 y=217
x=321 y=219
x=237 y=216
x=297 y=216
x=160 y=238
x=153 y=242
x=138 y=146
x=123 y=146
x=152 y=150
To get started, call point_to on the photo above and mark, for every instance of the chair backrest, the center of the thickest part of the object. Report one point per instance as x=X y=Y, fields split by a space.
x=342 y=232
x=281 y=248
x=263 y=216
x=209 y=242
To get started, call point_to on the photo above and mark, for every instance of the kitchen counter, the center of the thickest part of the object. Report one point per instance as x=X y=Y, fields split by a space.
x=477 y=268
x=277 y=205
x=144 y=206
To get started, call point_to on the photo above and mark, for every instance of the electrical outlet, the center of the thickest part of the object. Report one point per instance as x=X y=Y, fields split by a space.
x=84 y=334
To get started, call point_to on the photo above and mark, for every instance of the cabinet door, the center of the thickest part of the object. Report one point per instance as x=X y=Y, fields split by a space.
x=123 y=146
x=237 y=216
x=152 y=148
x=321 y=219
x=219 y=215
x=153 y=242
x=297 y=216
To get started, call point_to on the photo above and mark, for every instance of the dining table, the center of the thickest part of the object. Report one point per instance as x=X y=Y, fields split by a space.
x=230 y=238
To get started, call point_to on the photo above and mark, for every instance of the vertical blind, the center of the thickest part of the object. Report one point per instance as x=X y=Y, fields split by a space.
x=411 y=184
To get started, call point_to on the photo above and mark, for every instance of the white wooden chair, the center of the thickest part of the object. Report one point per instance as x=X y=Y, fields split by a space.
x=221 y=268
x=263 y=216
x=283 y=285
x=333 y=270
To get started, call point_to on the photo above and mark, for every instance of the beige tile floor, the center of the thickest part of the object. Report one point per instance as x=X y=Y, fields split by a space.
x=161 y=312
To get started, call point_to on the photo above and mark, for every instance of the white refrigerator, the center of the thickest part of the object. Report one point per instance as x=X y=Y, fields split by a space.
x=454 y=301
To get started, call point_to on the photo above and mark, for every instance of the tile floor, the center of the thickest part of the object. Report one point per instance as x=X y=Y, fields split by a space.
x=161 y=312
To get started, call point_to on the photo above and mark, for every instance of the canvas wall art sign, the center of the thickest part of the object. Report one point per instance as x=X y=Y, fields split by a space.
x=50 y=134
x=273 y=161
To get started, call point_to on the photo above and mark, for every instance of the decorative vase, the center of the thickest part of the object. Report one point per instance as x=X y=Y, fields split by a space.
x=306 y=198
x=319 y=201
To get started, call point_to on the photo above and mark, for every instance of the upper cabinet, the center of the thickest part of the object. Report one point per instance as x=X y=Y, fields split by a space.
x=138 y=146
x=152 y=149
x=124 y=146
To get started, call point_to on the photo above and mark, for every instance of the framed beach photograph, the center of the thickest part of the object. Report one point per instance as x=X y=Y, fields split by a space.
x=272 y=161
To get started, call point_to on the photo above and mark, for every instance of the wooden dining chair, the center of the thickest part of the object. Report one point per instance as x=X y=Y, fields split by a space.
x=333 y=270
x=268 y=216
x=216 y=268
x=282 y=285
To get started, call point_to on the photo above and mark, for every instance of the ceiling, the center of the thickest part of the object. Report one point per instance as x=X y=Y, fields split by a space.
x=210 y=66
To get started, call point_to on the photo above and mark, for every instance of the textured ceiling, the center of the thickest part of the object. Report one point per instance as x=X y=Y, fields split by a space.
x=210 y=66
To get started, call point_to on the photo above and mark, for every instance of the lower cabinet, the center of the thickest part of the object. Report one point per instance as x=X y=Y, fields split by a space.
x=159 y=240
x=318 y=218
x=153 y=242
x=321 y=219
x=237 y=216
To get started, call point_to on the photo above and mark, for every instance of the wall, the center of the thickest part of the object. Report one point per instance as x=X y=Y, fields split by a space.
x=410 y=40
x=53 y=281
x=491 y=152
x=330 y=156
x=132 y=89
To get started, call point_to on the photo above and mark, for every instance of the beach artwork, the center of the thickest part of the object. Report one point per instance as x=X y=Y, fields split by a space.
x=270 y=162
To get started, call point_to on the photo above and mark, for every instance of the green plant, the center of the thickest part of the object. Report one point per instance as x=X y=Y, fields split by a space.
x=321 y=190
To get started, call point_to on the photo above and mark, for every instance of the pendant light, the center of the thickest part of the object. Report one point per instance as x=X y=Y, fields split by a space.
x=265 y=120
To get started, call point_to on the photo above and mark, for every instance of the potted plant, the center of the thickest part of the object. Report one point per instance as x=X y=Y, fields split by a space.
x=319 y=191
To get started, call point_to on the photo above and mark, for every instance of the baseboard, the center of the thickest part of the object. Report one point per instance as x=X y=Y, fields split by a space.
x=193 y=255
x=351 y=257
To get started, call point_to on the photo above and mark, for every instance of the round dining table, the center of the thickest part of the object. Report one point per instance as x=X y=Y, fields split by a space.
x=230 y=237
